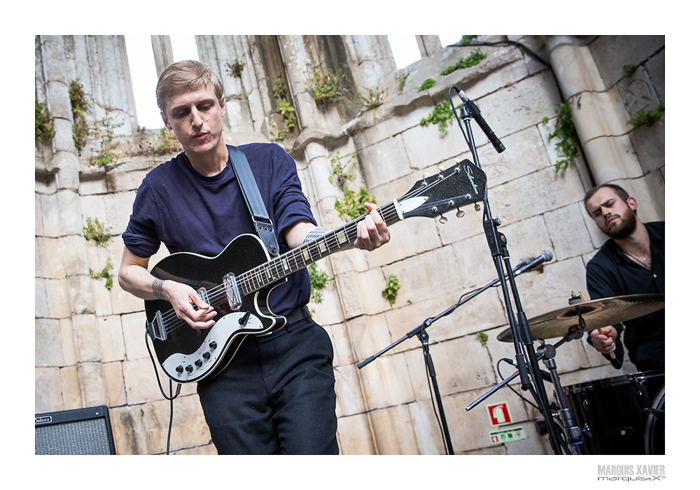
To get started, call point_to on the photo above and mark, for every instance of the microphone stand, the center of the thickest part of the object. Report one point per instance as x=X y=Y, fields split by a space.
x=522 y=336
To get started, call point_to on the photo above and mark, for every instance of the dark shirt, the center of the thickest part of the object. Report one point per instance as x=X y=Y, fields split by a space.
x=611 y=273
x=190 y=212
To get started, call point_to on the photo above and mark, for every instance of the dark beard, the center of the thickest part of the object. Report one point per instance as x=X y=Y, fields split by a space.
x=628 y=224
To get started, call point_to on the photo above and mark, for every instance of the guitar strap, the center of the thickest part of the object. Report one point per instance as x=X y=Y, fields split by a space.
x=251 y=194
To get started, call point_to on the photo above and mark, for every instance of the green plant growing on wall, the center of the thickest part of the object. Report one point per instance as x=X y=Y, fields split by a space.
x=373 y=99
x=482 y=337
x=280 y=88
x=466 y=40
x=43 y=123
x=352 y=206
x=441 y=115
x=104 y=129
x=429 y=83
x=290 y=120
x=327 y=87
x=402 y=80
x=338 y=173
x=472 y=60
x=564 y=129
x=391 y=289
x=235 y=68
x=629 y=70
x=319 y=281
x=96 y=231
x=78 y=104
x=647 y=118
x=104 y=274
x=167 y=143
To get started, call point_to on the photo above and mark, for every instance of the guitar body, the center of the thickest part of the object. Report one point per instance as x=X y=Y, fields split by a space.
x=187 y=354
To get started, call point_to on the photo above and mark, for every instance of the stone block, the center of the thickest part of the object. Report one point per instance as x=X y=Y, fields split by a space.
x=355 y=435
x=92 y=387
x=341 y=344
x=599 y=114
x=57 y=295
x=87 y=338
x=387 y=382
x=533 y=194
x=361 y=293
x=47 y=390
x=114 y=384
x=70 y=216
x=73 y=253
x=48 y=340
x=70 y=357
x=460 y=365
x=576 y=70
x=50 y=212
x=612 y=158
x=567 y=230
x=393 y=430
x=111 y=338
x=134 y=327
x=140 y=381
x=525 y=153
x=425 y=428
x=82 y=297
x=71 y=388
x=385 y=161
x=427 y=145
x=348 y=391
x=368 y=334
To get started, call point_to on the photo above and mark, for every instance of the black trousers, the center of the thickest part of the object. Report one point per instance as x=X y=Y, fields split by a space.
x=276 y=396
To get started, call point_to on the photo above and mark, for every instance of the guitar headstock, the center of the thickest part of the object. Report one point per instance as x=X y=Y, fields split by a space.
x=459 y=185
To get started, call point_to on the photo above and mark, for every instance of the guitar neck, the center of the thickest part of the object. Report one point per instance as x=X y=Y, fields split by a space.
x=290 y=262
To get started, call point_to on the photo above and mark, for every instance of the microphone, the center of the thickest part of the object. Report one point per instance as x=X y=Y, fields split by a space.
x=476 y=113
x=545 y=256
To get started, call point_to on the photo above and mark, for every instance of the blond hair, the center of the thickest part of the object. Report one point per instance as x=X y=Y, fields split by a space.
x=186 y=75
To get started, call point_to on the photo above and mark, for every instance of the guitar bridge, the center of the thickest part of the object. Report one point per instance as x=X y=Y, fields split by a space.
x=233 y=294
x=155 y=328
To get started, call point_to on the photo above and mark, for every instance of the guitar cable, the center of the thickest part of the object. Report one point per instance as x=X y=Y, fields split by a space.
x=170 y=398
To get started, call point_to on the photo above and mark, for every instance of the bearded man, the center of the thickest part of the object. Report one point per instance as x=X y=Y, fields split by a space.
x=630 y=262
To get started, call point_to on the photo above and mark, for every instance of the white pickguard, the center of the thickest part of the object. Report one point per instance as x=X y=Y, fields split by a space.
x=224 y=329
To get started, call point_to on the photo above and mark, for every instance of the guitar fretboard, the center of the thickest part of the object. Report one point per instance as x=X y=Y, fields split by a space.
x=305 y=255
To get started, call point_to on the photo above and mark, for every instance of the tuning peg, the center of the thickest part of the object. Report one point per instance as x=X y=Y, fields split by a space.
x=477 y=207
x=426 y=175
x=460 y=213
x=441 y=168
x=443 y=220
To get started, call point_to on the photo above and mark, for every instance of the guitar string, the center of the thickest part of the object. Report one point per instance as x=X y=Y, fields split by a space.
x=250 y=277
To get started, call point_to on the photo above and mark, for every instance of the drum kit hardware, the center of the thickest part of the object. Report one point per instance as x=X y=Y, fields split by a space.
x=619 y=415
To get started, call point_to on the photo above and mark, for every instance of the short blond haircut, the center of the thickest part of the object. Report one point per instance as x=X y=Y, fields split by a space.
x=186 y=75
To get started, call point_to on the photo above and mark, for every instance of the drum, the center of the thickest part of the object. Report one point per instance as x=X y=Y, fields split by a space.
x=620 y=415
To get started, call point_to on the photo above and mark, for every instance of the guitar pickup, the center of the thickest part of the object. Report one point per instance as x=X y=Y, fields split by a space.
x=155 y=328
x=233 y=294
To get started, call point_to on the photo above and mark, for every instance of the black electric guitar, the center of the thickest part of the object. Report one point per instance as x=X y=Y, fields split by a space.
x=237 y=282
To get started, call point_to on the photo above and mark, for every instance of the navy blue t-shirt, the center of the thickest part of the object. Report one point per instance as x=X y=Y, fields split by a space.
x=189 y=212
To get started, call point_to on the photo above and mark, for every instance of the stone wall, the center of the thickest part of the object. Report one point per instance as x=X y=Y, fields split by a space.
x=90 y=347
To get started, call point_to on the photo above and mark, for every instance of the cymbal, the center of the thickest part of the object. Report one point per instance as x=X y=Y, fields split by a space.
x=596 y=314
